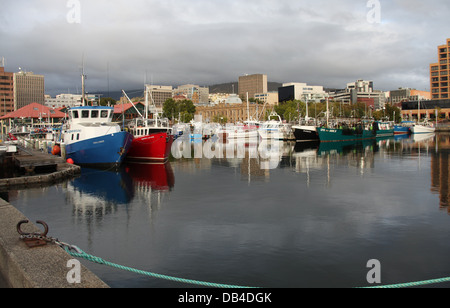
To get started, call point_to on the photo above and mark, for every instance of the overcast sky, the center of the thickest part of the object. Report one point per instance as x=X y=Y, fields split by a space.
x=172 y=42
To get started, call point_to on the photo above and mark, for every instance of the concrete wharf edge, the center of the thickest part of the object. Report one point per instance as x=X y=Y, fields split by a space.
x=39 y=267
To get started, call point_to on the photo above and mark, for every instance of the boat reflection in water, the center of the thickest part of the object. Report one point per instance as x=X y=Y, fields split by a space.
x=153 y=177
x=100 y=192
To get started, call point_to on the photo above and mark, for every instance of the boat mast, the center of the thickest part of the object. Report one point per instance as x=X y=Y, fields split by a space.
x=328 y=114
x=83 y=92
x=418 y=110
x=248 y=110
x=146 y=102
x=307 y=111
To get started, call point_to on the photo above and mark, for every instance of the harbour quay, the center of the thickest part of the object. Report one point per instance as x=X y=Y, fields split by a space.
x=27 y=166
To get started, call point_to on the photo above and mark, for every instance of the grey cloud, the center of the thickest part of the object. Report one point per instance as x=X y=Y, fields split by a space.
x=172 y=42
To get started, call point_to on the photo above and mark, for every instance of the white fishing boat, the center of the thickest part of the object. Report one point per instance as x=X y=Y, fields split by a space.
x=425 y=128
x=239 y=131
x=275 y=129
x=92 y=139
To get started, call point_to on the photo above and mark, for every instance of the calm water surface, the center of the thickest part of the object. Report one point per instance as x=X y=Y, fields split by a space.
x=310 y=217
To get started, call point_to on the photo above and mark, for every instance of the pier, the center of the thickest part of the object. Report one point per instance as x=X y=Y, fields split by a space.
x=33 y=167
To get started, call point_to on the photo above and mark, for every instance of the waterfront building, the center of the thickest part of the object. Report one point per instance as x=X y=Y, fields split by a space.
x=360 y=91
x=194 y=93
x=396 y=97
x=63 y=100
x=427 y=110
x=231 y=110
x=268 y=98
x=30 y=115
x=301 y=91
x=6 y=90
x=252 y=84
x=439 y=73
x=28 y=88
x=127 y=111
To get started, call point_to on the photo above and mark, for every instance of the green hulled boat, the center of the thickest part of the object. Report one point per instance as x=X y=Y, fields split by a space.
x=383 y=129
x=345 y=134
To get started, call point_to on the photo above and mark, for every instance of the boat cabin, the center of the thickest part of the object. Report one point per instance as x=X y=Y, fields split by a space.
x=91 y=114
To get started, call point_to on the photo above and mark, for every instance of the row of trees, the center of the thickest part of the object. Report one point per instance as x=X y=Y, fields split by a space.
x=293 y=110
x=183 y=110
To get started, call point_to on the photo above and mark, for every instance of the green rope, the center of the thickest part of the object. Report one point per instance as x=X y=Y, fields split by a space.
x=412 y=284
x=82 y=254
x=98 y=260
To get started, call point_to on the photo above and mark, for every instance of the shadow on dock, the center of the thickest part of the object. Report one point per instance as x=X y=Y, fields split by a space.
x=29 y=168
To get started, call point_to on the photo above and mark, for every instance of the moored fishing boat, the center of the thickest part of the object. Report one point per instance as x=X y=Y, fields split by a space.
x=152 y=138
x=275 y=129
x=425 y=128
x=404 y=128
x=305 y=133
x=383 y=129
x=92 y=139
x=358 y=132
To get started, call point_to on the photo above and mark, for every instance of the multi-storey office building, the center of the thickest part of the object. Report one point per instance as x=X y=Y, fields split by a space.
x=252 y=84
x=28 y=88
x=158 y=96
x=6 y=92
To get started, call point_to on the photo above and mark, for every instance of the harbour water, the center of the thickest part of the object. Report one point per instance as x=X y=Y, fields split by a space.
x=312 y=216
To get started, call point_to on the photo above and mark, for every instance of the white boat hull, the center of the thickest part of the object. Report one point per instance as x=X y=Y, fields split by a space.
x=421 y=129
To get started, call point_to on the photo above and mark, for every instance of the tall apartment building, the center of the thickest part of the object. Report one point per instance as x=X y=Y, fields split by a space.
x=28 y=88
x=6 y=91
x=439 y=73
x=252 y=84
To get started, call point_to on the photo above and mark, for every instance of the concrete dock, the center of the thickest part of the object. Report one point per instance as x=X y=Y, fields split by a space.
x=39 y=267
x=36 y=168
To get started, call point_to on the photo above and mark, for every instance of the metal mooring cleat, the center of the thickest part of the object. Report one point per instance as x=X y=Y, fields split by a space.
x=33 y=239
